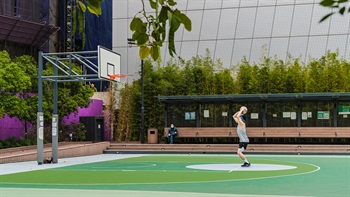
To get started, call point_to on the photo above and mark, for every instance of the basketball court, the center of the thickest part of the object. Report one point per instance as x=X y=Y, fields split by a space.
x=161 y=174
x=180 y=174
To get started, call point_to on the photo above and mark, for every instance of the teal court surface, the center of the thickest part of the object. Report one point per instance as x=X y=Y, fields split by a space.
x=180 y=175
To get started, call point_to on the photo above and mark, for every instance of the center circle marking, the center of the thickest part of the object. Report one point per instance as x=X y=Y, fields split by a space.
x=237 y=167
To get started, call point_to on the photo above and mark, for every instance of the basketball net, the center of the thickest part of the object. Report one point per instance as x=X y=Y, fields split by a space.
x=112 y=77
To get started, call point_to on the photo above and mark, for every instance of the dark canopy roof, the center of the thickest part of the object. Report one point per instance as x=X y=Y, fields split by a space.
x=248 y=98
x=25 y=32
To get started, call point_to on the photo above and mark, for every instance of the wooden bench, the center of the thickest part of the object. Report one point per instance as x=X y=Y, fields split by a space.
x=262 y=132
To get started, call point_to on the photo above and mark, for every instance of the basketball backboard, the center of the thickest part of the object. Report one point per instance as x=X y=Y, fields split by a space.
x=108 y=64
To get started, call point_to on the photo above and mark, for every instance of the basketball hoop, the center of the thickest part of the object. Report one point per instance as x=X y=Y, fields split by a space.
x=112 y=77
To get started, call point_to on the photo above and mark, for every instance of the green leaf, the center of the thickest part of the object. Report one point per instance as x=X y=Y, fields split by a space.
x=74 y=20
x=81 y=22
x=144 y=52
x=184 y=20
x=327 y=3
x=325 y=17
x=158 y=43
x=163 y=31
x=142 y=39
x=156 y=36
x=136 y=35
x=143 y=28
x=171 y=44
x=161 y=2
x=153 y=4
x=83 y=38
x=94 y=7
x=82 y=6
x=155 y=52
x=175 y=24
x=163 y=15
x=170 y=16
x=341 y=11
x=171 y=2
x=135 y=24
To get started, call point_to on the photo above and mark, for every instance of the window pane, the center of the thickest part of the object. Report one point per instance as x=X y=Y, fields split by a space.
x=337 y=43
x=343 y=118
x=209 y=28
x=213 y=4
x=227 y=27
x=282 y=21
x=297 y=47
x=259 y=49
x=230 y=4
x=254 y=116
x=302 y=20
x=119 y=34
x=278 y=47
x=241 y=49
x=317 y=46
x=318 y=28
x=224 y=52
x=176 y=115
x=204 y=45
x=192 y=5
x=263 y=27
x=188 y=50
x=196 y=17
x=339 y=24
x=282 y=115
x=119 y=10
x=249 y=3
x=320 y=114
x=245 y=23
x=215 y=117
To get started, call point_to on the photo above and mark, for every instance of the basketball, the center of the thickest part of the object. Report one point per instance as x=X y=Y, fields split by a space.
x=245 y=109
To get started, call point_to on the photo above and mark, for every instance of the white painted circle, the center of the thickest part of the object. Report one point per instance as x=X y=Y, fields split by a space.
x=237 y=167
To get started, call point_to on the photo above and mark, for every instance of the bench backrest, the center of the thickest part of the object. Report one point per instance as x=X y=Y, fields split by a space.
x=265 y=132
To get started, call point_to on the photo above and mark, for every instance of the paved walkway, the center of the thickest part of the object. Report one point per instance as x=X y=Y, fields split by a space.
x=10 y=168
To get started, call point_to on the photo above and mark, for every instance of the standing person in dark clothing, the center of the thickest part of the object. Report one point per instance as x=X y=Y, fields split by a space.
x=172 y=132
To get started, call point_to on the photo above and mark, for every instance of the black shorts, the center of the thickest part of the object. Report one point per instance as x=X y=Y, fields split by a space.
x=243 y=145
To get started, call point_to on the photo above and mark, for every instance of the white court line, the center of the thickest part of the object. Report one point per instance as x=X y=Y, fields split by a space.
x=233 y=169
x=10 y=168
x=188 y=182
x=16 y=192
x=32 y=165
x=257 y=155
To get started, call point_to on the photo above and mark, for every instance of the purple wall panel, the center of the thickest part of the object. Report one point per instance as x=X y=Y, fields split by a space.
x=14 y=127
x=11 y=127
x=95 y=109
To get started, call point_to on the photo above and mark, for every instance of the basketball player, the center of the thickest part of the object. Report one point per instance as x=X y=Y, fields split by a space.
x=241 y=132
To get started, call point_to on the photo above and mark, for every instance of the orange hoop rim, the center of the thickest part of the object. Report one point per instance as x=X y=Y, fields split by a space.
x=112 y=77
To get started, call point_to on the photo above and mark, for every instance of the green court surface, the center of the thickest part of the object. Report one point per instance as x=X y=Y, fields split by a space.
x=170 y=175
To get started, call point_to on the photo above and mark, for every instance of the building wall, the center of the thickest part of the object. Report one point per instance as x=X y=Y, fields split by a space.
x=233 y=29
x=14 y=127
x=54 y=20
x=95 y=109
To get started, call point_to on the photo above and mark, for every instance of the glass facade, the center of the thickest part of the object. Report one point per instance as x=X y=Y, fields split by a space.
x=233 y=29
